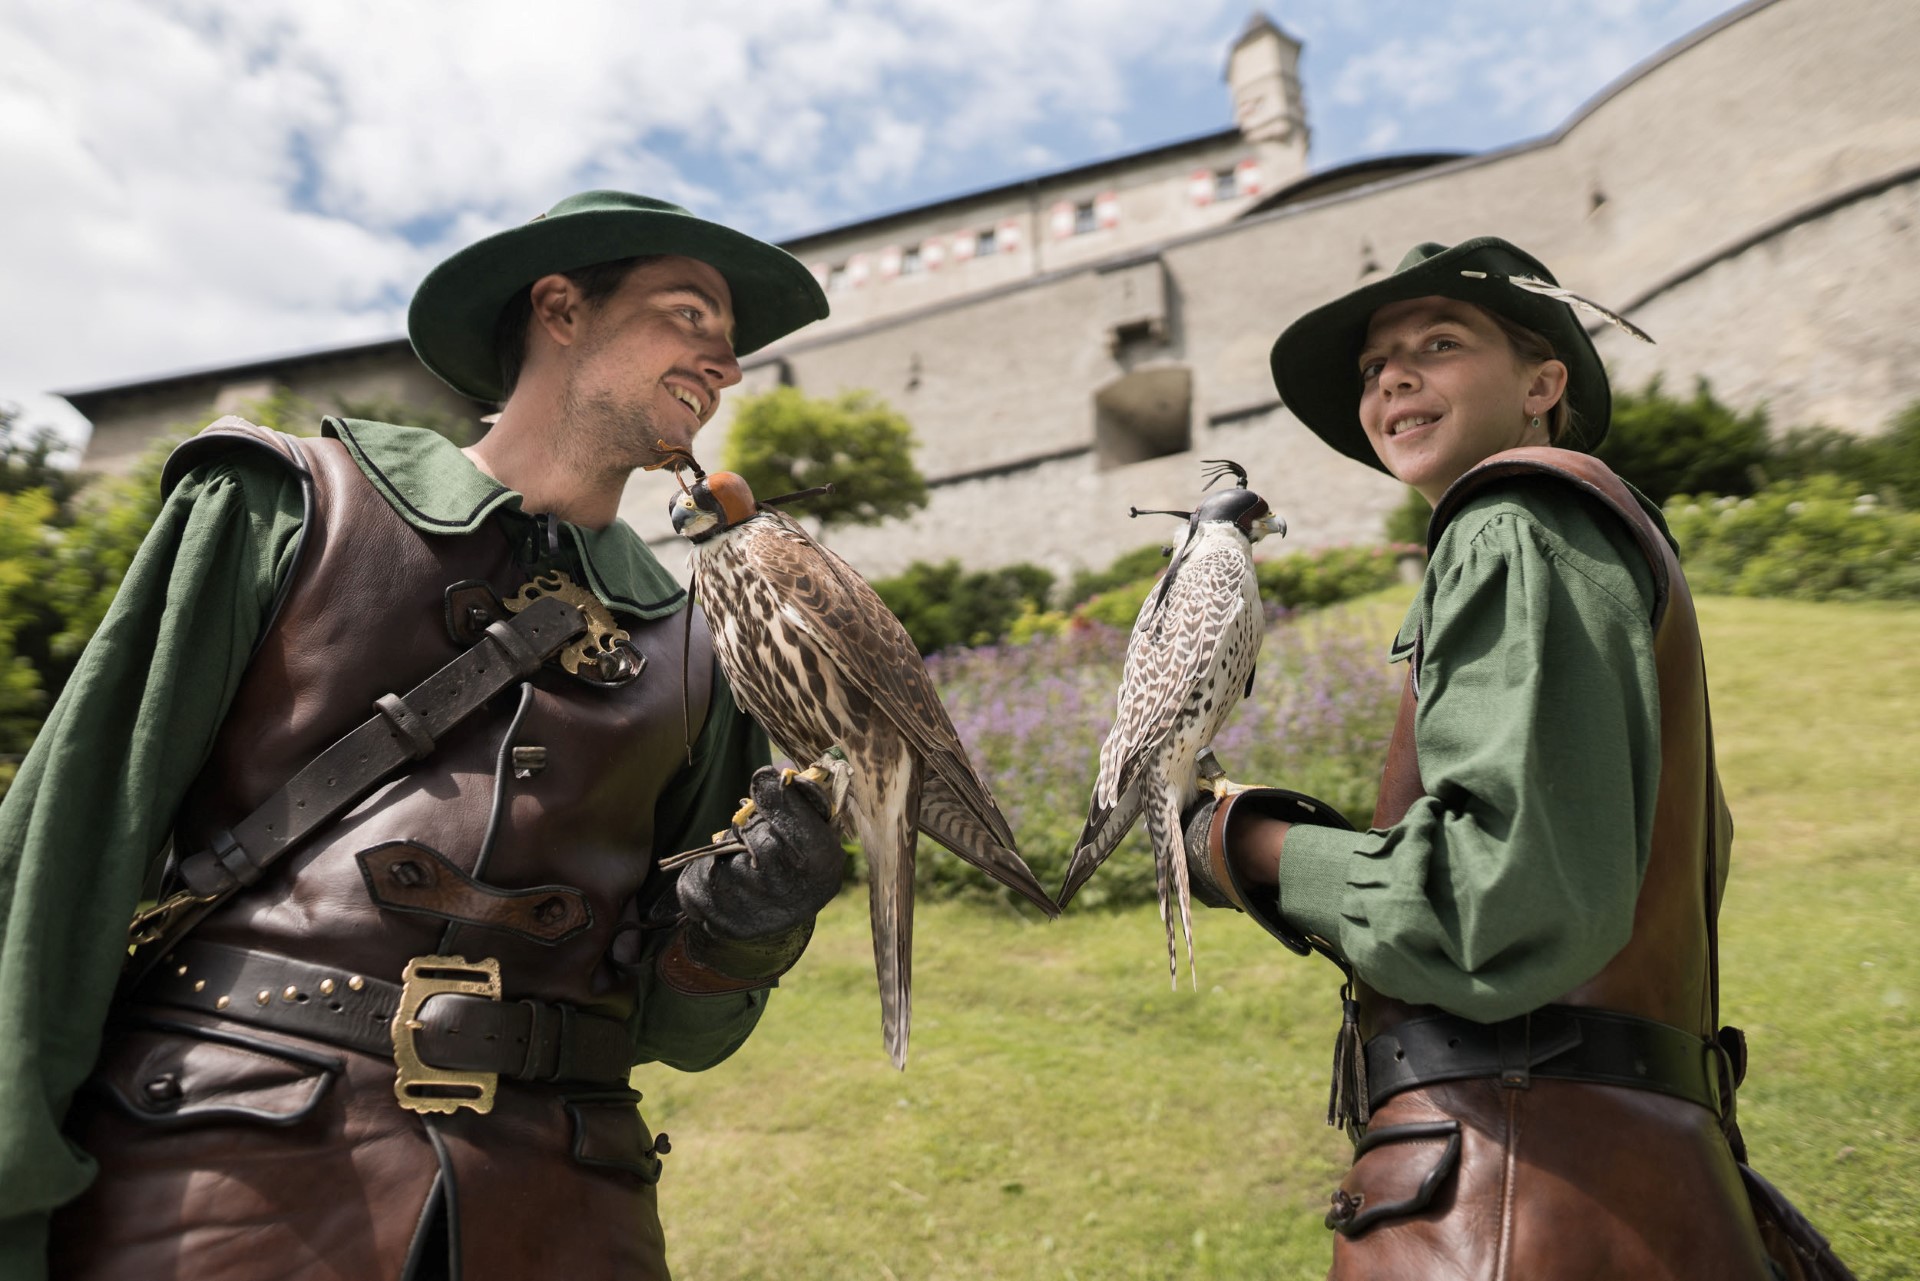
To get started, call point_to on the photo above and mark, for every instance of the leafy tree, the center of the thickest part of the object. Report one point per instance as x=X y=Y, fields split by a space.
x=26 y=616
x=943 y=606
x=1669 y=446
x=65 y=543
x=27 y=462
x=783 y=441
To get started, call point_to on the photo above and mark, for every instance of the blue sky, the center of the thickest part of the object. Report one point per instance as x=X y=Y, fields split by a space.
x=196 y=182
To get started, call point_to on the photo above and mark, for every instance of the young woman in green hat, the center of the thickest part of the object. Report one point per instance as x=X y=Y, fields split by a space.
x=1530 y=1061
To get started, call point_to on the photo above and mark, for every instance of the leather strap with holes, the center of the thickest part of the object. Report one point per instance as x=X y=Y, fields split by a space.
x=405 y=727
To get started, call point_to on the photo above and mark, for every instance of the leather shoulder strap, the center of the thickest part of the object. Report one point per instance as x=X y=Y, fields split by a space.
x=1584 y=472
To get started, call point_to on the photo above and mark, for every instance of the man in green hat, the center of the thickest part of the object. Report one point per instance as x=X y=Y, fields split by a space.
x=1531 y=1061
x=419 y=723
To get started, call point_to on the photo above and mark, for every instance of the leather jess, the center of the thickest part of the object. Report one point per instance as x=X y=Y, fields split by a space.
x=234 y=1148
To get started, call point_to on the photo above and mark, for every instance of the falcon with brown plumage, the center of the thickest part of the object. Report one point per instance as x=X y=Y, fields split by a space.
x=816 y=657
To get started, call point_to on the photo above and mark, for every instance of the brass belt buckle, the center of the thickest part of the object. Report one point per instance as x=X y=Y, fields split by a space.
x=419 y=1086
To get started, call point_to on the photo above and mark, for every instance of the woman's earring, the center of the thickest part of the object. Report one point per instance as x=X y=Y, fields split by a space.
x=1536 y=422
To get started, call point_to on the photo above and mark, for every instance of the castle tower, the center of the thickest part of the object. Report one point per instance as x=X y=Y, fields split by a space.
x=1263 y=77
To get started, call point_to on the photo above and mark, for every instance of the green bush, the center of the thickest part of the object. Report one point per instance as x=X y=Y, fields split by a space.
x=1667 y=446
x=943 y=605
x=1117 y=607
x=1312 y=580
x=1887 y=465
x=1127 y=568
x=1407 y=523
x=1816 y=539
x=1301 y=580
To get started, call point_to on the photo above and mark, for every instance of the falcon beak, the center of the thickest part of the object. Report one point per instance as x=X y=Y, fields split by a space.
x=1271 y=523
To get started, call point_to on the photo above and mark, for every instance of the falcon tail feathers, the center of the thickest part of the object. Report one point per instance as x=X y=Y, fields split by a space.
x=1106 y=827
x=1170 y=871
x=887 y=826
x=947 y=820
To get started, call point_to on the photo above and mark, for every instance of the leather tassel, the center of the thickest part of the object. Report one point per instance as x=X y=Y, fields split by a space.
x=1348 y=1106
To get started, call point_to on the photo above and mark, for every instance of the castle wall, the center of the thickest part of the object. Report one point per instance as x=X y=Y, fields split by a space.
x=1750 y=197
x=1776 y=108
x=1804 y=323
x=135 y=420
x=1152 y=201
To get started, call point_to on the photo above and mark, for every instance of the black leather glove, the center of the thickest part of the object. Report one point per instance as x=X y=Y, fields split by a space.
x=750 y=914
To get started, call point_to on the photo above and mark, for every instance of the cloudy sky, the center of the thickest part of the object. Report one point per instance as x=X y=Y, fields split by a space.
x=193 y=182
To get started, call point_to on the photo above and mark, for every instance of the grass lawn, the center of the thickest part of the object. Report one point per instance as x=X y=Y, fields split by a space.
x=1064 y=1115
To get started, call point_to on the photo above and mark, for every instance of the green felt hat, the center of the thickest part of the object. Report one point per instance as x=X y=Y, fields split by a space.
x=451 y=321
x=1316 y=361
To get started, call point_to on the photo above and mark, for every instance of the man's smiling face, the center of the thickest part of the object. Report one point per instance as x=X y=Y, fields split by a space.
x=651 y=362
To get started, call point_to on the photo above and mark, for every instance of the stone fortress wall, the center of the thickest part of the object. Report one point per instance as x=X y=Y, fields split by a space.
x=1750 y=195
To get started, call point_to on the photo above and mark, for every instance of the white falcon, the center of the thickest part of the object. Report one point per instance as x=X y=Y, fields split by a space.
x=816 y=657
x=1190 y=659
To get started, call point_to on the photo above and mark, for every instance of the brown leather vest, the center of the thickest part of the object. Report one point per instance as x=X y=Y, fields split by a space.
x=369 y=616
x=1561 y=1178
x=1666 y=970
x=547 y=1183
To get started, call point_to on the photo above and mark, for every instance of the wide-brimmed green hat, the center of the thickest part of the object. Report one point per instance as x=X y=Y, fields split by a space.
x=452 y=319
x=1316 y=361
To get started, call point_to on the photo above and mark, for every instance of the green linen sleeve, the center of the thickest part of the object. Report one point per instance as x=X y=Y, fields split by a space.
x=1514 y=879
x=693 y=1033
x=94 y=801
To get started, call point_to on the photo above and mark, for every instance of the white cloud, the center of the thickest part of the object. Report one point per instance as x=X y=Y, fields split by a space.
x=1484 y=72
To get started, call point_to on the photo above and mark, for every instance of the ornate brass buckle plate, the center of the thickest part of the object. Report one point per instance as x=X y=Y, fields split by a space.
x=419 y=1086
x=602 y=633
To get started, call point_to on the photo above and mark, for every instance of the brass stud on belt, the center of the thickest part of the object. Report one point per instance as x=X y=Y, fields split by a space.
x=356 y=982
x=199 y=985
x=182 y=971
x=223 y=1003
x=291 y=994
x=262 y=996
x=326 y=987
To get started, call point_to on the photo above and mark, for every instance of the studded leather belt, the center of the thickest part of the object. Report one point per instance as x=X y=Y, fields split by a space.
x=1557 y=1042
x=526 y=1040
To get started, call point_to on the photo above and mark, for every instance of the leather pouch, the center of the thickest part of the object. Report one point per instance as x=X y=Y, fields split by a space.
x=1398 y=1170
x=169 y=1074
x=608 y=1133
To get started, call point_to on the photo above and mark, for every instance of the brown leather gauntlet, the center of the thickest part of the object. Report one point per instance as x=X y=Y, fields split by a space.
x=698 y=962
x=1210 y=832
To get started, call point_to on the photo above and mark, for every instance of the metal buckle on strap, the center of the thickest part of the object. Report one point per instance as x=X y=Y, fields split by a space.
x=152 y=925
x=419 y=1086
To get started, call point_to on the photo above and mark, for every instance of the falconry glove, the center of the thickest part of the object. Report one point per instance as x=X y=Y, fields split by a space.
x=750 y=914
x=1209 y=831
